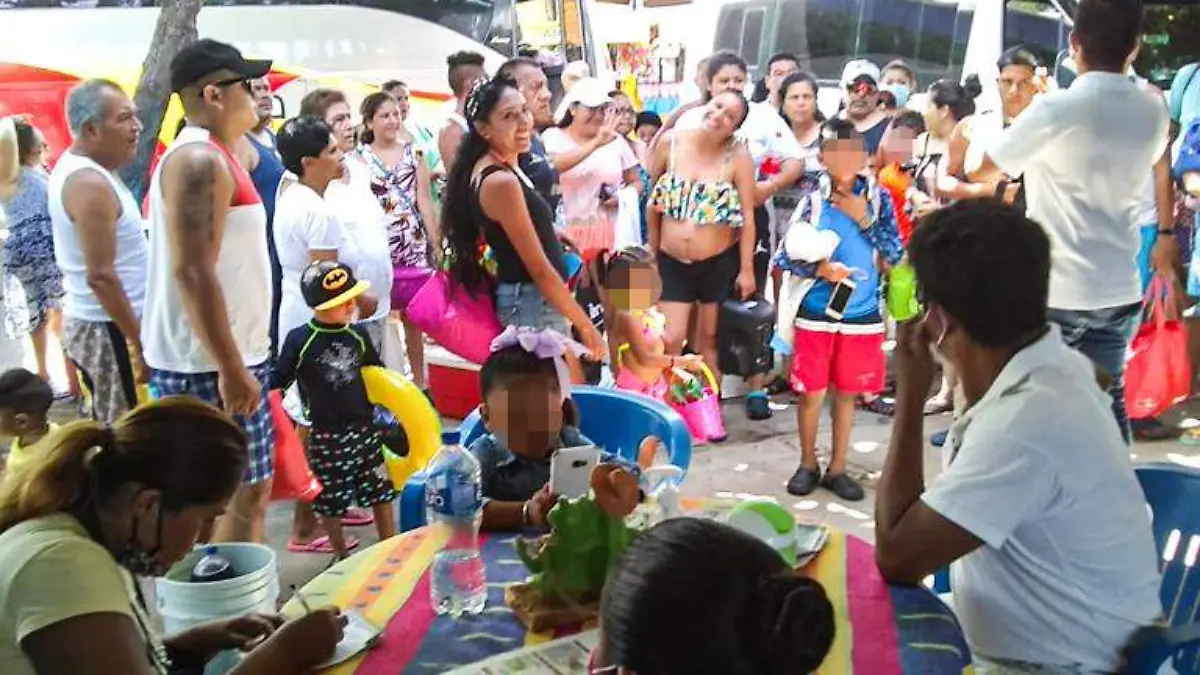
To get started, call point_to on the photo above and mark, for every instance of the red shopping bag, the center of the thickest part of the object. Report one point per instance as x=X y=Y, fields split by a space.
x=293 y=477
x=1158 y=372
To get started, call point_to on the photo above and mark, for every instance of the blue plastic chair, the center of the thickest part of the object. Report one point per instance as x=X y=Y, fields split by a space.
x=615 y=420
x=1173 y=493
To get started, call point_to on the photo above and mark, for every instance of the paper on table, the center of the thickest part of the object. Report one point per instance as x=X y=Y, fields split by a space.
x=568 y=656
x=357 y=638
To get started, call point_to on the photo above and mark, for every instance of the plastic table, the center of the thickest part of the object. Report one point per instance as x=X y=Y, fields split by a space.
x=881 y=629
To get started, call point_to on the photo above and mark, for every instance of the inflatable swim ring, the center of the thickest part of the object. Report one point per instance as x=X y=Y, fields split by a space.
x=414 y=412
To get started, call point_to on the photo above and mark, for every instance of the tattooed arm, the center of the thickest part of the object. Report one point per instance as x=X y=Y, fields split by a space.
x=197 y=189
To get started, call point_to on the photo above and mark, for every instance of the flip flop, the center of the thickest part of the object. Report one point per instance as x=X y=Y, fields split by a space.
x=357 y=518
x=937 y=406
x=320 y=545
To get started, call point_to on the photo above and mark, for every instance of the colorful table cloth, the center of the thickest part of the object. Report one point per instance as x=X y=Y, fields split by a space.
x=881 y=629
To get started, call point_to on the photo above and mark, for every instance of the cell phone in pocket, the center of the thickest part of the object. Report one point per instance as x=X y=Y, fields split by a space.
x=839 y=299
x=571 y=470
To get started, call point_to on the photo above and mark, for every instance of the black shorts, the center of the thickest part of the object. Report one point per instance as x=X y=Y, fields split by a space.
x=706 y=281
x=762 y=248
x=349 y=464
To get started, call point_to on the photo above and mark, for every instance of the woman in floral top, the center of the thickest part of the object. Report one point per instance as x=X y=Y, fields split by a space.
x=400 y=180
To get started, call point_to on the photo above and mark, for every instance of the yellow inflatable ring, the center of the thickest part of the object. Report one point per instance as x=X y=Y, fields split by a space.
x=420 y=421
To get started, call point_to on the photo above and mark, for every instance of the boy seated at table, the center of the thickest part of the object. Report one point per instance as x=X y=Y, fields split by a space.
x=25 y=401
x=529 y=414
x=325 y=357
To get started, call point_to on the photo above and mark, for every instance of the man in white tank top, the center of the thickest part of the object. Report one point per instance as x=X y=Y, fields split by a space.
x=464 y=70
x=208 y=297
x=100 y=245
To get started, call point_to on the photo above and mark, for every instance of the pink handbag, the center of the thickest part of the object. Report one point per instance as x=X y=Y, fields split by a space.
x=462 y=321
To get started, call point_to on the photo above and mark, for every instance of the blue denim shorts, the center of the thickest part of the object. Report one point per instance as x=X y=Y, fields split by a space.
x=522 y=305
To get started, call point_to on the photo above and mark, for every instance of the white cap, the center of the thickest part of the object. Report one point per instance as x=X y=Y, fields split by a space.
x=858 y=68
x=588 y=92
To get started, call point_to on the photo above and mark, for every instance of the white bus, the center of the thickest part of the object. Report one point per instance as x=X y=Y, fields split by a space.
x=937 y=38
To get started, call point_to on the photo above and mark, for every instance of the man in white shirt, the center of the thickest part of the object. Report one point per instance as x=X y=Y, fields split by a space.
x=100 y=245
x=1039 y=513
x=1084 y=153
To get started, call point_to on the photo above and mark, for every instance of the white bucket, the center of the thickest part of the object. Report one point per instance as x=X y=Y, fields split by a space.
x=183 y=604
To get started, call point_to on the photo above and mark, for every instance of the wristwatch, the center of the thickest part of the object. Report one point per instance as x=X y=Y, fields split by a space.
x=1166 y=231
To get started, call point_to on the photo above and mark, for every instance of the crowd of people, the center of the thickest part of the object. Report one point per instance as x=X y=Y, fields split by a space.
x=281 y=261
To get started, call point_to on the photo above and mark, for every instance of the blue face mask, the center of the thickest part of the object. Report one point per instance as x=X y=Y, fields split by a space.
x=900 y=91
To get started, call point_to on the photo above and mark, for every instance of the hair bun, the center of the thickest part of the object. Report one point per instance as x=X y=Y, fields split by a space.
x=972 y=87
x=795 y=627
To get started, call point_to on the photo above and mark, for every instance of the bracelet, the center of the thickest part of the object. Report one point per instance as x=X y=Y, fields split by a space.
x=525 y=518
x=1166 y=231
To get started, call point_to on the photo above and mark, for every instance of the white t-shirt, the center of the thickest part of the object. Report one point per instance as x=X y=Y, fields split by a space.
x=364 y=234
x=304 y=222
x=130 y=257
x=1068 y=569
x=1084 y=152
x=764 y=131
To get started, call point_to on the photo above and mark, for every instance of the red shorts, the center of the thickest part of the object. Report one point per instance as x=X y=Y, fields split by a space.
x=848 y=357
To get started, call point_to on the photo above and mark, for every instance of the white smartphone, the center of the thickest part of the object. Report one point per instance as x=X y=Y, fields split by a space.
x=571 y=470
x=839 y=298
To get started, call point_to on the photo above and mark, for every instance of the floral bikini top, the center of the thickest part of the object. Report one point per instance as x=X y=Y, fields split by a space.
x=704 y=202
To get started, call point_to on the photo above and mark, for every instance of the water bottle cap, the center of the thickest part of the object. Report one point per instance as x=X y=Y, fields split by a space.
x=210 y=550
x=450 y=437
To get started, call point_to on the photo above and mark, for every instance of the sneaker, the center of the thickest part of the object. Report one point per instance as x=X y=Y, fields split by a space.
x=939 y=439
x=758 y=406
x=842 y=485
x=804 y=481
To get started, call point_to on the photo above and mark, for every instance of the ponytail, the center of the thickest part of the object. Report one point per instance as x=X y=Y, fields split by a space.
x=193 y=453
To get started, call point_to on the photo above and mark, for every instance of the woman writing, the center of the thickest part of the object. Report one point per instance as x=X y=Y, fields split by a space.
x=490 y=200
x=401 y=182
x=701 y=222
x=104 y=504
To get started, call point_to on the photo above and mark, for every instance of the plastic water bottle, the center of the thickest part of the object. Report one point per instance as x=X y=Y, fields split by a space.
x=212 y=567
x=454 y=504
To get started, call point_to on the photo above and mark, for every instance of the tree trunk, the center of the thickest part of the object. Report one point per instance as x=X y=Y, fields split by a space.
x=176 y=28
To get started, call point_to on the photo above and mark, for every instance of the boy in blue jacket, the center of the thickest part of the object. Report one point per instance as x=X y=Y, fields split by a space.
x=838 y=344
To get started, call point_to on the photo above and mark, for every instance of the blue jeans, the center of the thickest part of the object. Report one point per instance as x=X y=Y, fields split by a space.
x=1103 y=335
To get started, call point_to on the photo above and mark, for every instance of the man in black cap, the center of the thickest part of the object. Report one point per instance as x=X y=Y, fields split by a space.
x=206 y=325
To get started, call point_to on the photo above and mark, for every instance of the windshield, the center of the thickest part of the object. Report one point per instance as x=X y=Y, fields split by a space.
x=1168 y=41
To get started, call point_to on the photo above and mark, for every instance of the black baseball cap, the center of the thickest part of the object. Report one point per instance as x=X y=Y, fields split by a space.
x=205 y=57
x=328 y=283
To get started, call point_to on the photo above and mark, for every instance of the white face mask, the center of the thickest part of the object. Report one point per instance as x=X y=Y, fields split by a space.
x=935 y=347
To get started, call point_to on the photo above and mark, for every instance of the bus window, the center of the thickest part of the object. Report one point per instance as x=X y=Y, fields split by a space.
x=729 y=29
x=931 y=36
x=752 y=35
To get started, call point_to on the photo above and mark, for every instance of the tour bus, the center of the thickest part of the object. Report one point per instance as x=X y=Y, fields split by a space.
x=937 y=38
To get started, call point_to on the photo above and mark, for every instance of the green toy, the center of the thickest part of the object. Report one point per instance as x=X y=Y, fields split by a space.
x=574 y=560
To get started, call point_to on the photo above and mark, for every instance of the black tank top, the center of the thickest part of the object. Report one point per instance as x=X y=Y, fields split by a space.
x=509 y=266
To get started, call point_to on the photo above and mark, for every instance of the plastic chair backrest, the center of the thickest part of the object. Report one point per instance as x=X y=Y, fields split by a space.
x=617 y=421
x=1173 y=494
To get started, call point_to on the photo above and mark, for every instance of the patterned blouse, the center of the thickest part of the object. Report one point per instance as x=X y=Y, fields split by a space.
x=396 y=190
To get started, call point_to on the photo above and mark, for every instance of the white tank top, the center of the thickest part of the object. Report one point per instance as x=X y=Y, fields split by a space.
x=243 y=270
x=131 y=258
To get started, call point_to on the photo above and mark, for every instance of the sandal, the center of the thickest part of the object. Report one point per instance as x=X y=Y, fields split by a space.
x=320 y=545
x=1190 y=437
x=878 y=405
x=358 y=518
x=778 y=386
x=938 y=405
x=1153 y=430
x=758 y=406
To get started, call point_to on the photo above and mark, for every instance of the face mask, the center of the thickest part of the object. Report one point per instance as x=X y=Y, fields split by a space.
x=900 y=91
x=935 y=347
x=140 y=561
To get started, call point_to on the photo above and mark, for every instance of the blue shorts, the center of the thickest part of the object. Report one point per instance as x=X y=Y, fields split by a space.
x=260 y=432
x=522 y=305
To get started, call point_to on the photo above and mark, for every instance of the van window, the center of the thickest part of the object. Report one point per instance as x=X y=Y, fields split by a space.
x=729 y=29
x=752 y=33
x=930 y=35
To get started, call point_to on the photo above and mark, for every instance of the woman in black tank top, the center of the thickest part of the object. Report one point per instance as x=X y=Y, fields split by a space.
x=489 y=200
